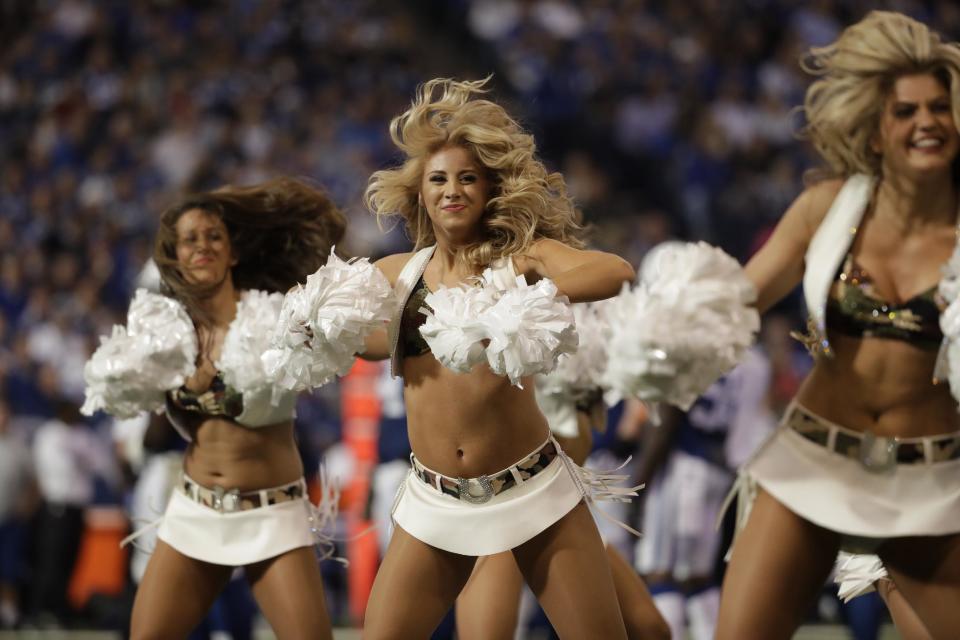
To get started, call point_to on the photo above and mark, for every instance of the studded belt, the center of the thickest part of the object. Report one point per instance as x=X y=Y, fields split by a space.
x=482 y=489
x=875 y=453
x=231 y=500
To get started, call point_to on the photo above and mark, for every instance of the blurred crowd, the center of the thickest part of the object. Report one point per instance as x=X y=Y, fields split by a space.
x=682 y=110
x=668 y=119
x=110 y=109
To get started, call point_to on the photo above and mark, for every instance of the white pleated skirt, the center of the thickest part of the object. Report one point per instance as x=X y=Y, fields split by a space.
x=840 y=494
x=508 y=520
x=238 y=538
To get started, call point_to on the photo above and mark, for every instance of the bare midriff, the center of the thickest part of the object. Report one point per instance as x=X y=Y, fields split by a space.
x=232 y=456
x=472 y=424
x=884 y=387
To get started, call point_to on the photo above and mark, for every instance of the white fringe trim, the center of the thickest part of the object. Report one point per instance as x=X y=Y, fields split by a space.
x=744 y=490
x=132 y=538
x=323 y=518
x=603 y=486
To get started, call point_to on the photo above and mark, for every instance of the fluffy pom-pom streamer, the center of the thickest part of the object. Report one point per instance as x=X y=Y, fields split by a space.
x=248 y=337
x=948 y=362
x=133 y=367
x=583 y=369
x=324 y=323
x=857 y=574
x=529 y=328
x=453 y=329
x=949 y=287
x=519 y=331
x=687 y=322
x=576 y=380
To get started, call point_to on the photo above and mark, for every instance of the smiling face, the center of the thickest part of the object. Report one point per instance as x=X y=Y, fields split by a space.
x=454 y=190
x=917 y=135
x=204 y=254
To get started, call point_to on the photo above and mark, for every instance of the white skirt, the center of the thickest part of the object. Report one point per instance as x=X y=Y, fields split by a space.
x=238 y=538
x=508 y=520
x=838 y=493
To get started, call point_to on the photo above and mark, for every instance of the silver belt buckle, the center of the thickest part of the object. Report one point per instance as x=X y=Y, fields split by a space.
x=466 y=488
x=226 y=501
x=878 y=454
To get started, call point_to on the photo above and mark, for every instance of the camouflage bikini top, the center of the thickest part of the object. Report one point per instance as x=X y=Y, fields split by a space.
x=855 y=309
x=841 y=297
x=219 y=399
x=411 y=319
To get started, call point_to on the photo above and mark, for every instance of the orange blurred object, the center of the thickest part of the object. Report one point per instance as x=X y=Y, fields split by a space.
x=101 y=564
x=360 y=409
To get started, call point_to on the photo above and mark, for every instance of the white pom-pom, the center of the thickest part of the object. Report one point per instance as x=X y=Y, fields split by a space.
x=112 y=375
x=289 y=361
x=857 y=574
x=525 y=328
x=248 y=337
x=952 y=355
x=686 y=323
x=949 y=287
x=453 y=329
x=576 y=381
x=584 y=369
x=324 y=323
x=948 y=362
x=529 y=328
x=133 y=368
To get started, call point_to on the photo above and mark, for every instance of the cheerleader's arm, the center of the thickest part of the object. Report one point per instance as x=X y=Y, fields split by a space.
x=581 y=275
x=778 y=266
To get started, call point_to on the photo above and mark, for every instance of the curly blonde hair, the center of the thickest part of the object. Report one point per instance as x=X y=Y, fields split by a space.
x=843 y=107
x=527 y=202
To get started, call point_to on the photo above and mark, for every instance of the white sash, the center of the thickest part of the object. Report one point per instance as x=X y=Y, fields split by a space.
x=402 y=289
x=831 y=242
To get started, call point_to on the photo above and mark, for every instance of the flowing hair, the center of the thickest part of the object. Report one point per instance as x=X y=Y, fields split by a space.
x=856 y=73
x=526 y=203
x=280 y=232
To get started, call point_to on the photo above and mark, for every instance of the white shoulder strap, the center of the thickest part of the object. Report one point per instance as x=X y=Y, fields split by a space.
x=406 y=281
x=831 y=242
x=503 y=272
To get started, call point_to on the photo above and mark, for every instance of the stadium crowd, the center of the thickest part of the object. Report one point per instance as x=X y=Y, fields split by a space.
x=668 y=119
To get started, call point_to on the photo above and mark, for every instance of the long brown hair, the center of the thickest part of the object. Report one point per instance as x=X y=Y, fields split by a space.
x=280 y=231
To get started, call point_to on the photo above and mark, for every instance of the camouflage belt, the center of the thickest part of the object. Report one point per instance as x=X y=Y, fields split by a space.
x=231 y=500
x=482 y=489
x=875 y=453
